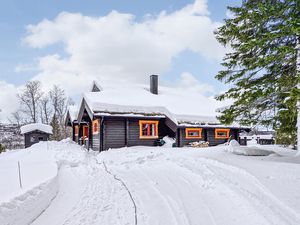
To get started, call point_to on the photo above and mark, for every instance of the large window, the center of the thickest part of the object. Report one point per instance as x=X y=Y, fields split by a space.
x=95 y=126
x=222 y=133
x=193 y=133
x=148 y=129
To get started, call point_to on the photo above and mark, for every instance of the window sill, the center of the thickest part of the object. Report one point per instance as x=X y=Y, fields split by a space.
x=150 y=137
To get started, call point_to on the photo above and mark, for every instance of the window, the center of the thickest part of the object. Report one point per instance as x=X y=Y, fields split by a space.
x=76 y=130
x=222 y=133
x=41 y=138
x=148 y=129
x=193 y=133
x=95 y=126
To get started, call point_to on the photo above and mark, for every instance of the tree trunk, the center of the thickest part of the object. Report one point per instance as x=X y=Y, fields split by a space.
x=298 y=102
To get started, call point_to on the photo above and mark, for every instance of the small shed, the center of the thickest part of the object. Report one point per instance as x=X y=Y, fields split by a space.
x=35 y=132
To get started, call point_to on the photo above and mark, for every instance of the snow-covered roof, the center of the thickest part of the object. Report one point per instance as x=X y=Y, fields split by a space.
x=36 y=126
x=259 y=136
x=176 y=100
x=196 y=120
x=73 y=112
x=96 y=87
x=181 y=106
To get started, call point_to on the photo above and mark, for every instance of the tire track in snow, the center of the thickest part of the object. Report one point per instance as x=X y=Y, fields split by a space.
x=242 y=191
x=101 y=200
x=261 y=197
x=127 y=189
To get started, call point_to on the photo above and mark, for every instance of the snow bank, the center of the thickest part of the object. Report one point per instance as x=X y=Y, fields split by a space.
x=40 y=166
x=168 y=142
x=28 y=206
x=235 y=148
x=36 y=126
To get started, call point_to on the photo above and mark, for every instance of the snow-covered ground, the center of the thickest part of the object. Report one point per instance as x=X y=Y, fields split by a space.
x=65 y=184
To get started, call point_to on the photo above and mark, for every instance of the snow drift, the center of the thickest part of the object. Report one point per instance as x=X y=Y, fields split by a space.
x=40 y=166
x=235 y=148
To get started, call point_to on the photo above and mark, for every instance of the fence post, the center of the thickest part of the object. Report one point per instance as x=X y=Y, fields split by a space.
x=20 y=179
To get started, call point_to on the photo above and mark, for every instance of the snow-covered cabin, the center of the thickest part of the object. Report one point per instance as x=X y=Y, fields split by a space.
x=35 y=132
x=261 y=137
x=114 y=117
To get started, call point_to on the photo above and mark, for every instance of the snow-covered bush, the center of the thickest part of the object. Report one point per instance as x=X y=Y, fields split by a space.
x=2 y=148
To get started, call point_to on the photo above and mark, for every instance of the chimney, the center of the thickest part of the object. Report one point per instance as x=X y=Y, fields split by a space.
x=154 y=84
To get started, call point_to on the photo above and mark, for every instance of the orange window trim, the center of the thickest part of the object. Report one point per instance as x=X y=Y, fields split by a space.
x=141 y=122
x=187 y=130
x=95 y=126
x=222 y=130
x=76 y=130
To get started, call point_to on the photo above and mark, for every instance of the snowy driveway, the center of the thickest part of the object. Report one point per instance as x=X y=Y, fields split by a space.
x=167 y=187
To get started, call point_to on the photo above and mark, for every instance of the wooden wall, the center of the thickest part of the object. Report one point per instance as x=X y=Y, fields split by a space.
x=35 y=135
x=208 y=134
x=114 y=133
x=213 y=141
x=183 y=141
x=134 y=135
x=121 y=132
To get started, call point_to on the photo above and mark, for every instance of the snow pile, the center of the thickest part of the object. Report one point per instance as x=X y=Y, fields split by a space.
x=28 y=206
x=40 y=166
x=36 y=126
x=168 y=142
x=149 y=185
x=258 y=136
x=182 y=186
x=235 y=148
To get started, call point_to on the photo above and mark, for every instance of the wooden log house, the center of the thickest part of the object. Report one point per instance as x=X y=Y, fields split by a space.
x=100 y=125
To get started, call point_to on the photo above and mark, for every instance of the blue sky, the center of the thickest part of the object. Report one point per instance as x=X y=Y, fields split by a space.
x=15 y=15
x=72 y=42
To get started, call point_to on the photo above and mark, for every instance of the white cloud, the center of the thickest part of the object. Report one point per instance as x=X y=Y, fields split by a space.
x=116 y=46
x=229 y=14
x=189 y=82
x=8 y=100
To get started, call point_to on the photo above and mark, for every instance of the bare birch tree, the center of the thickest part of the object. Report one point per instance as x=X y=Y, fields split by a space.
x=45 y=109
x=17 y=118
x=30 y=99
x=60 y=106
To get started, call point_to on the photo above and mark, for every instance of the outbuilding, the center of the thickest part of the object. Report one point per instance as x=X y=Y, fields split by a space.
x=35 y=132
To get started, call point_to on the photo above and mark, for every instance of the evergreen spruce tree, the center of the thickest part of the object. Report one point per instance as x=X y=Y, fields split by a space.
x=261 y=67
x=56 y=129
